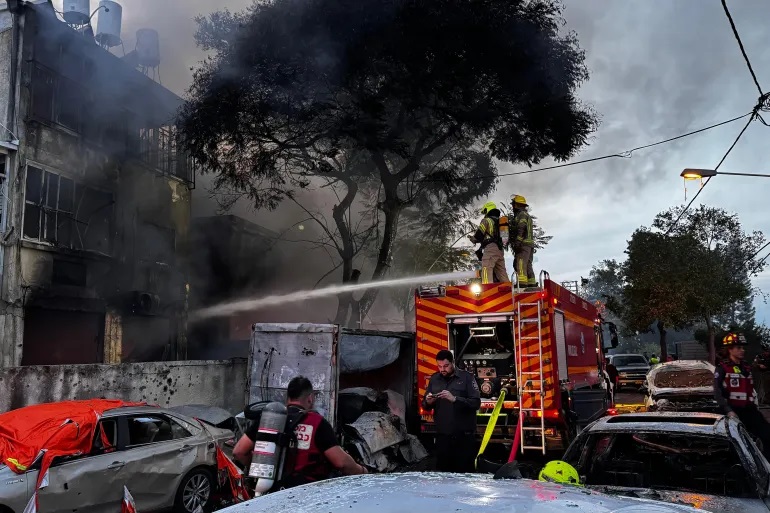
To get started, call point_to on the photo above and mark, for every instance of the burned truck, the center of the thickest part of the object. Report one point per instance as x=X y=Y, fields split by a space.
x=363 y=382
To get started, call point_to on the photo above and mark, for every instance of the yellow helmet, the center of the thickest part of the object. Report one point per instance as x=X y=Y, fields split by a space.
x=489 y=205
x=519 y=200
x=559 y=472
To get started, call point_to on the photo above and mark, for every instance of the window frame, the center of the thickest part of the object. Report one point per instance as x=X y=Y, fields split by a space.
x=44 y=211
x=126 y=418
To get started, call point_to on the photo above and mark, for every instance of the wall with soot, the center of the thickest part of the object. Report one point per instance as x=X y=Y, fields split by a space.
x=215 y=382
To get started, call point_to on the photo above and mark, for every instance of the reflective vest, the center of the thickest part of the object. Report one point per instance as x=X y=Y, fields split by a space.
x=490 y=227
x=309 y=463
x=740 y=388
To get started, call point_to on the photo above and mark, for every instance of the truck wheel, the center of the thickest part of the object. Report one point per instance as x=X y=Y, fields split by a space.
x=196 y=489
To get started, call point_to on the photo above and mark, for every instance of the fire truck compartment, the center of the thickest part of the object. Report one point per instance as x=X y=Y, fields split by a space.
x=483 y=346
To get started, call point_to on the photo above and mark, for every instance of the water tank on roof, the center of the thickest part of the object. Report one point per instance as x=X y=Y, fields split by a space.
x=108 y=27
x=76 y=12
x=148 y=48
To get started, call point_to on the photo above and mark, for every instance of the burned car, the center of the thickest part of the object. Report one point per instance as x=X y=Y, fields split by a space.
x=686 y=385
x=700 y=459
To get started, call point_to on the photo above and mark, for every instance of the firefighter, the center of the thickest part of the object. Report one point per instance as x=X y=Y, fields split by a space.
x=315 y=456
x=488 y=235
x=734 y=390
x=453 y=395
x=762 y=371
x=523 y=239
x=654 y=360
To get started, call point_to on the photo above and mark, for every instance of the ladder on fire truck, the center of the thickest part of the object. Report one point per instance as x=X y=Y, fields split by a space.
x=531 y=383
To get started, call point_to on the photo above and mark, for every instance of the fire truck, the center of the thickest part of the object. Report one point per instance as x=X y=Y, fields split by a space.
x=543 y=346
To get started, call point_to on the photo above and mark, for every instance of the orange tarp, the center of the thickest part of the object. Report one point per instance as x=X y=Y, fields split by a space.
x=60 y=429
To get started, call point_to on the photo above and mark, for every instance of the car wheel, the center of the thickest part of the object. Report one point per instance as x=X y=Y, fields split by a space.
x=196 y=489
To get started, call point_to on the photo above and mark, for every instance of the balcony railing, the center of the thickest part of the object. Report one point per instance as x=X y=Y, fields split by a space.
x=160 y=149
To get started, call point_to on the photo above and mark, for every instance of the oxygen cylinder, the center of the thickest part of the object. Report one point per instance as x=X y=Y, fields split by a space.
x=504 y=230
x=267 y=447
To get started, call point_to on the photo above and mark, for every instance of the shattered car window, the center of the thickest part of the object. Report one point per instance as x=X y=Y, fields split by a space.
x=624 y=361
x=667 y=461
x=684 y=378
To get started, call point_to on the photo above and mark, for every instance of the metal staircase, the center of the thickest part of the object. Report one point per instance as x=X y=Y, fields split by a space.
x=531 y=383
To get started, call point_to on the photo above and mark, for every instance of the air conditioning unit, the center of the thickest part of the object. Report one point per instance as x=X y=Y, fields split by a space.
x=145 y=303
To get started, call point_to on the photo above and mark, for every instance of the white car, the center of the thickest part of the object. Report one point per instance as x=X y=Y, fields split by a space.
x=441 y=493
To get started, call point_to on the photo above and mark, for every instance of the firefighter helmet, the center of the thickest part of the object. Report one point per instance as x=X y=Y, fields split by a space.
x=734 y=339
x=559 y=472
x=489 y=205
x=517 y=199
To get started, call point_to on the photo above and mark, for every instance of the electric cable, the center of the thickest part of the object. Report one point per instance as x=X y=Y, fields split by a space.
x=623 y=154
x=740 y=44
x=705 y=183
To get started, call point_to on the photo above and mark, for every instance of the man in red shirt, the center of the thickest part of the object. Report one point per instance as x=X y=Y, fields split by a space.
x=317 y=453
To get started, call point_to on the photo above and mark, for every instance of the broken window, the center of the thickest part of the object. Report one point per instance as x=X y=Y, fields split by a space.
x=149 y=429
x=666 y=461
x=43 y=86
x=67 y=214
x=160 y=148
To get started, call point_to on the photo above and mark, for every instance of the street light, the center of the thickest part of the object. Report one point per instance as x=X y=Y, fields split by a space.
x=700 y=174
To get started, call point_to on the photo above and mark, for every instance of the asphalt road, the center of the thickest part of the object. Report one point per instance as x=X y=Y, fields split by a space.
x=628 y=397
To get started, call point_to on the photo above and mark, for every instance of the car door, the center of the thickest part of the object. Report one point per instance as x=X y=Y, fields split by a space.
x=88 y=483
x=160 y=450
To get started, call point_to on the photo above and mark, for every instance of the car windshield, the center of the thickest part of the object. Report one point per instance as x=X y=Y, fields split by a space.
x=624 y=361
x=666 y=461
x=678 y=377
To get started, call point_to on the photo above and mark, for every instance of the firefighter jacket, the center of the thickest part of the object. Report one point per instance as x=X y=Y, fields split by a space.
x=488 y=231
x=523 y=229
x=734 y=386
x=458 y=417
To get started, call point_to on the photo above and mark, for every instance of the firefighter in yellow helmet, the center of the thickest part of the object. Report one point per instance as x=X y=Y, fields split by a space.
x=488 y=235
x=560 y=472
x=523 y=242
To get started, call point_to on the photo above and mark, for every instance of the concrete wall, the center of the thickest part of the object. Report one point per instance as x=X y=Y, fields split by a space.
x=213 y=382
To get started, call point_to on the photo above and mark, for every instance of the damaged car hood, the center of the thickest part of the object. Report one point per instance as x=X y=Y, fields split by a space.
x=440 y=493
x=700 y=501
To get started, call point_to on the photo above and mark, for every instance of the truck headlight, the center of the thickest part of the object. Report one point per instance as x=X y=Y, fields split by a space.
x=476 y=288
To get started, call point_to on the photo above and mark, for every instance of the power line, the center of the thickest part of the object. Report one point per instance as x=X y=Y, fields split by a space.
x=740 y=44
x=624 y=154
x=724 y=157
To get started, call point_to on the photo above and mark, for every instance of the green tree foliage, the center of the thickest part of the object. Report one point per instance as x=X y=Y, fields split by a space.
x=426 y=92
x=677 y=276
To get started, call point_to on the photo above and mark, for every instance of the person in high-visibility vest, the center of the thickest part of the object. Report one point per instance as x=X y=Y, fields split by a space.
x=734 y=390
x=488 y=235
x=523 y=242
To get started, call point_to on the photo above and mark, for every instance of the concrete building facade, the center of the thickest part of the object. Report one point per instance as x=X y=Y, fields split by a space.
x=94 y=201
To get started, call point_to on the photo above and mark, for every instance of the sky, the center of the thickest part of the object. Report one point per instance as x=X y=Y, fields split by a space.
x=658 y=69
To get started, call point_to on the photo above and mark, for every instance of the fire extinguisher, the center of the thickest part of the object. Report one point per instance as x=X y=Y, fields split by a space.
x=268 y=448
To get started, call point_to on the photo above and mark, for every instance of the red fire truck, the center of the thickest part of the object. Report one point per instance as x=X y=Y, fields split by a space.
x=543 y=346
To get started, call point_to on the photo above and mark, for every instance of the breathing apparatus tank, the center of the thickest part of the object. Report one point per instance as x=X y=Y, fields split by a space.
x=268 y=448
x=504 y=234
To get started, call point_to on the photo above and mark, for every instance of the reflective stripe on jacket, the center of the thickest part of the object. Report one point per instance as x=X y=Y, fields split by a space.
x=739 y=389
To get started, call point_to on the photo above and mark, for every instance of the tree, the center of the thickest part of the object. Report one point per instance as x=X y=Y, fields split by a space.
x=727 y=259
x=425 y=92
x=678 y=275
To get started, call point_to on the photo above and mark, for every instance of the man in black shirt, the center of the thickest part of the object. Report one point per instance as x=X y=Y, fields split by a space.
x=317 y=451
x=454 y=397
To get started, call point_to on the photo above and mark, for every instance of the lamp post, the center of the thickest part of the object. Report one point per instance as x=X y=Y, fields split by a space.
x=700 y=174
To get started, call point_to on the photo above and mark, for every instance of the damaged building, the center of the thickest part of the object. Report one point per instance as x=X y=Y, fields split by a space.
x=94 y=194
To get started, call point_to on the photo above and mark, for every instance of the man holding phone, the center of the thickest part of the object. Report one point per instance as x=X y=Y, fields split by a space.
x=453 y=395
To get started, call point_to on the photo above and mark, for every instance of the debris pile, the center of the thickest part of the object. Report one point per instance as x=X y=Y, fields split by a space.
x=374 y=429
